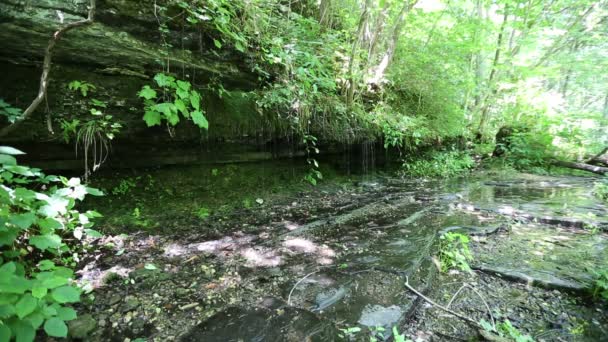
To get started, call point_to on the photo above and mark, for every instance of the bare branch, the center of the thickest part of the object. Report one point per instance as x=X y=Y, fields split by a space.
x=46 y=68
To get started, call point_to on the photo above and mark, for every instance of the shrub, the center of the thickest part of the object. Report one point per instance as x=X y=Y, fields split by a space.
x=39 y=227
x=600 y=190
x=454 y=252
x=439 y=164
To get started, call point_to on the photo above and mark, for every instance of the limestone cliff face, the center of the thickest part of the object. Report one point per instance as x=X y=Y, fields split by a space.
x=119 y=53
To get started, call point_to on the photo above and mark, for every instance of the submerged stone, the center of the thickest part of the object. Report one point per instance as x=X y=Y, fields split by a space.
x=380 y=316
x=261 y=324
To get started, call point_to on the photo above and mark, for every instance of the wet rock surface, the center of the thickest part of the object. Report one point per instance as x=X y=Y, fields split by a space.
x=346 y=262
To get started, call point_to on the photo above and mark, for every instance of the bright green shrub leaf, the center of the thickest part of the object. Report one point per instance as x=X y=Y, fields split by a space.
x=8 y=268
x=39 y=292
x=182 y=94
x=195 y=100
x=94 y=191
x=26 y=305
x=180 y=105
x=56 y=327
x=23 y=331
x=66 y=294
x=7 y=160
x=8 y=298
x=14 y=284
x=93 y=233
x=184 y=85
x=7 y=311
x=50 y=311
x=199 y=119
x=7 y=238
x=217 y=43
x=168 y=109
x=164 y=80
x=23 y=221
x=66 y=314
x=10 y=150
x=147 y=93
x=5 y=333
x=44 y=242
x=54 y=281
x=93 y=214
x=173 y=119
x=35 y=320
x=152 y=118
x=63 y=272
x=49 y=223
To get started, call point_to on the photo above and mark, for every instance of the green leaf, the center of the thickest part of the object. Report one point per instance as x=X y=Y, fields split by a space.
x=35 y=320
x=195 y=100
x=23 y=221
x=147 y=93
x=183 y=85
x=181 y=106
x=23 y=332
x=150 y=267
x=10 y=150
x=5 y=333
x=168 y=109
x=66 y=314
x=199 y=119
x=55 y=327
x=46 y=265
x=44 y=242
x=164 y=81
x=66 y=294
x=6 y=311
x=152 y=118
x=93 y=233
x=7 y=160
x=39 y=292
x=49 y=224
x=93 y=191
x=26 y=305
x=217 y=43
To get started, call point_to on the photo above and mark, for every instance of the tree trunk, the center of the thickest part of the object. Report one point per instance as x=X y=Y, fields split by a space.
x=46 y=69
x=392 y=43
x=600 y=158
x=600 y=170
x=351 y=85
x=486 y=106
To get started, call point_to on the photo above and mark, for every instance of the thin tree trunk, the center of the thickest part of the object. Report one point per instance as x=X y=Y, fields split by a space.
x=46 y=69
x=606 y=107
x=350 y=90
x=392 y=44
x=495 y=62
x=479 y=62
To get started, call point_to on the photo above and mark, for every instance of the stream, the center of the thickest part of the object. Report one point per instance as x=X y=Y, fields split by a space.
x=309 y=263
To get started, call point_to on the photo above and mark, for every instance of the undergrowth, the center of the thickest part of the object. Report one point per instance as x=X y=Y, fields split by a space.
x=438 y=164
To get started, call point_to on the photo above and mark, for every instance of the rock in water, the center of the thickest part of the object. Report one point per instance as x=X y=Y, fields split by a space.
x=380 y=316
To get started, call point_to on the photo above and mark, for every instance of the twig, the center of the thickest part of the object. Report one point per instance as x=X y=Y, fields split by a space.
x=455 y=295
x=296 y=285
x=480 y=297
x=46 y=68
x=453 y=313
